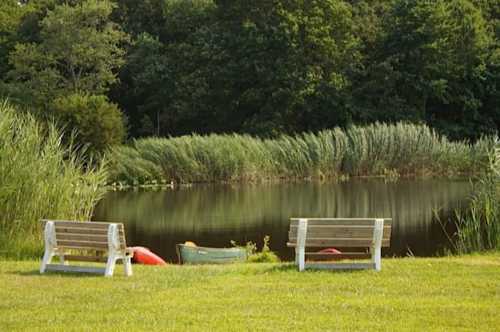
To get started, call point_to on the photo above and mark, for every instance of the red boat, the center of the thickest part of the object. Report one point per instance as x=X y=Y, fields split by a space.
x=143 y=255
x=330 y=251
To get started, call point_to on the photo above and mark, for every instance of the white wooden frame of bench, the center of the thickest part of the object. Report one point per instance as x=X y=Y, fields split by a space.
x=115 y=252
x=375 y=249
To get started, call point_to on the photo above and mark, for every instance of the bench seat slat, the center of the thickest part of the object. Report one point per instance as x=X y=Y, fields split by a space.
x=315 y=232
x=87 y=238
x=340 y=221
x=82 y=230
x=293 y=239
x=331 y=218
x=82 y=244
x=337 y=226
x=346 y=242
x=81 y=237
x=334 y=237
x=85 y=224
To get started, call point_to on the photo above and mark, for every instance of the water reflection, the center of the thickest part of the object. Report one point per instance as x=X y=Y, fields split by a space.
x=212 y=215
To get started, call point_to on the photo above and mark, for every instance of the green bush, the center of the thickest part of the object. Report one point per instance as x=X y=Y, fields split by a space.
x=39 y=178
x=97 y=122
x=264 y=256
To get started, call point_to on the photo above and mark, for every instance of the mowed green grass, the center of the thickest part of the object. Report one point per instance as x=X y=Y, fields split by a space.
x=409 y=294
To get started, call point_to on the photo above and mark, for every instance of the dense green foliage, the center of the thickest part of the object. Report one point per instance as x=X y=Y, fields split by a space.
x=478 y=227
x=63 y=64
x=263 y=256
x=78 y=50
x=409 y=294
x=39 y=178
x=10 y=18
x=98 y=122
x=270 y=67
x=378 y=149
x=264 y=67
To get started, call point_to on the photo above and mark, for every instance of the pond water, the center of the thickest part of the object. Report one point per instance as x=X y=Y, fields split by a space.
x=213 y=215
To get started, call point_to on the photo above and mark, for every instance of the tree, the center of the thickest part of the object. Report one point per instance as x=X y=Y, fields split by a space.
x=97 y=122
x=264 y=67
x=138 y=17
x=79 y=51
x=430 y=65
x=11 y=13
x=288 y=64
x=146 y=86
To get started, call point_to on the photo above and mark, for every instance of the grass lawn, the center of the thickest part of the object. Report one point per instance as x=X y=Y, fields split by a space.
x=412 y=294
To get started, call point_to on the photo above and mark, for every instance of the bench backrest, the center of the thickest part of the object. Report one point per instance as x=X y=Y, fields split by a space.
x=86 y=235
x=339 y=232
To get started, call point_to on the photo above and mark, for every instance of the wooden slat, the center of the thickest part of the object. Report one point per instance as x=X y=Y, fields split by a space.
x=79 y=224
x=317 y=256
x=81 y=230
x=333 y=226
x=348 y=243
x=340 y=221
x=326 y=231
x=82 y=244
x=87 y=237
x=340 y=266
x=72 y=268
x=86 y=224
x=88 y=234
x=104 y=223
x=341 y=237
x=333 y=238
x=81 y=237
x=81 y=258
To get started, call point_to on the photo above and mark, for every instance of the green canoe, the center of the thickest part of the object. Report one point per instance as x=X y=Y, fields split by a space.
x=203 y=255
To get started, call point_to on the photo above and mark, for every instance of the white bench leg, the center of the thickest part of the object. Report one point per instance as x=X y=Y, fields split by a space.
x=376 y=248
x=47 y=258
x=300 y=256
x=127 y=263
x=300 y=249
x=113 y=250
x=302 y=259
x=50 y=243
x=376 y=258
x=110 y=265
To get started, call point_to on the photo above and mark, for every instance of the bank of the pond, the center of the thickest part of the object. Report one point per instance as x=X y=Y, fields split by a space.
x=379 y=149
x=409 y=294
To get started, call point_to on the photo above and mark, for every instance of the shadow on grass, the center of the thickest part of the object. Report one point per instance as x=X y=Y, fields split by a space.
x=291 y=267
x=33 y=273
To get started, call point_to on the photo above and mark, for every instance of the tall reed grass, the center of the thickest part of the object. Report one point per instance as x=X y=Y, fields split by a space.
x=478 y=227
x=376 y=149
x=39 y=178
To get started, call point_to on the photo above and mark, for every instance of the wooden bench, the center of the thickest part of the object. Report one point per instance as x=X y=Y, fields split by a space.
x=88 y=239
x=341 y=233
